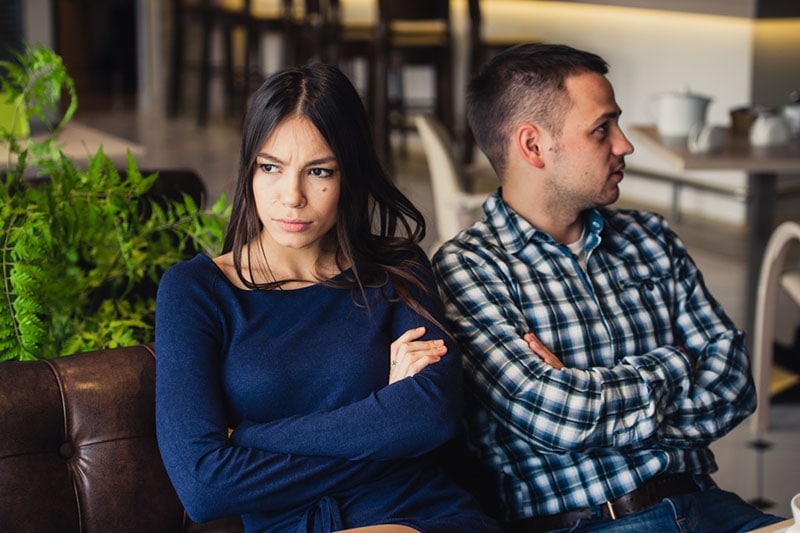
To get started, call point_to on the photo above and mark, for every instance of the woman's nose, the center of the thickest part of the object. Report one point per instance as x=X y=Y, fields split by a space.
x=292 y=194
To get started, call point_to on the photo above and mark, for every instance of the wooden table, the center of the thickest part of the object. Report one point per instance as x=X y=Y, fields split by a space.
x=80 y=142
x=762 y=166
x=780 y=527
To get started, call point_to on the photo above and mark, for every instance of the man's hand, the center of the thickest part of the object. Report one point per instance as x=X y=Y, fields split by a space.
x=542 y=351
x=692 y=359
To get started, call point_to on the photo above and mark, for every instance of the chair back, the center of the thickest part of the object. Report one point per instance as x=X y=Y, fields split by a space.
x=418 y=33
x=416 y=17
x=454 y=207
x=771 y=278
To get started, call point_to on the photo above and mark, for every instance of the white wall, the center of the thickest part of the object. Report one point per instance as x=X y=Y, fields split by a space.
x=733 y=60
x=651 y=52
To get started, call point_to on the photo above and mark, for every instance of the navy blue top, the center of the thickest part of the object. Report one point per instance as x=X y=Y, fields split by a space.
x=321 y=441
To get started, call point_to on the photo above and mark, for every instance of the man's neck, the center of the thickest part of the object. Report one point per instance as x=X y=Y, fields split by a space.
x=561 y=223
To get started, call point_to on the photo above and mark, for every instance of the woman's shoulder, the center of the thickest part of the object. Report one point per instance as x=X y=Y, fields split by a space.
x=199 y=264
x=195 y=271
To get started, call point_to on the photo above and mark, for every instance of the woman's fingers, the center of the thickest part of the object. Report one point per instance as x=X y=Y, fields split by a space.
x=408 y=336
x=409 y=356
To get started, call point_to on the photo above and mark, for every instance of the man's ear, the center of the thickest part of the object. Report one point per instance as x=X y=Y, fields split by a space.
x=529 y=139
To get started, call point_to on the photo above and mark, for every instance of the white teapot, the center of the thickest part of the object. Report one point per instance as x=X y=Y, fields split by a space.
x=676 y=113
x=791 y=112
x=769 y=129
x=704 y=138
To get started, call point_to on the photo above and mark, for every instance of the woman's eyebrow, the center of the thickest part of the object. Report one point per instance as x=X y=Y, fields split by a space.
x=271 y=157
x=322 y=160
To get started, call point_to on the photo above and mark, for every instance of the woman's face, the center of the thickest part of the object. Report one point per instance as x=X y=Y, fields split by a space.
x=296 y=185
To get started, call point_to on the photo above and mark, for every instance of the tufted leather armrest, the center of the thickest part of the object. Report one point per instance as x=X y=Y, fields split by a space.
x=78 y=450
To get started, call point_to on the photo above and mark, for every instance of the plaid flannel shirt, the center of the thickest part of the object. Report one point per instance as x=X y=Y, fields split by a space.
x=630 y=403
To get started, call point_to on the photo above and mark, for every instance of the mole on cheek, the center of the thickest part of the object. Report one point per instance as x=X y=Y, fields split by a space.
x=324 y=189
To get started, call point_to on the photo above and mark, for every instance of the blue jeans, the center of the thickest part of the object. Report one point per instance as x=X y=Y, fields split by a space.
x=709 y=510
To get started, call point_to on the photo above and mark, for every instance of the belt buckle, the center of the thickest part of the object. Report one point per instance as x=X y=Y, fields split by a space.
x=610 y=507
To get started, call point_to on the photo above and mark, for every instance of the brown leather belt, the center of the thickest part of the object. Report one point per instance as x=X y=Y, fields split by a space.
x=648 y=494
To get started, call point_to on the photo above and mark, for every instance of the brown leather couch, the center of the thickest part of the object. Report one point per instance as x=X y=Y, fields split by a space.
x=78 y=449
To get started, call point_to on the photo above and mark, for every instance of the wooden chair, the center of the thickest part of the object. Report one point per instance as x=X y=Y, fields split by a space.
x=411 y=33
x=209 y=17
x=483 y=47
x=772 y=278
x=455 y=208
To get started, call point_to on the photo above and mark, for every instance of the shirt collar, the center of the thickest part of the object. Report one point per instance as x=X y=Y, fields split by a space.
x=514 y=232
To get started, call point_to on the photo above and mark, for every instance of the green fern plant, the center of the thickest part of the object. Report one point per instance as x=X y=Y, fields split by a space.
x=81 y=252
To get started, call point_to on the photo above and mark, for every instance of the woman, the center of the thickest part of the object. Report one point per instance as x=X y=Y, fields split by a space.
x=316 y=336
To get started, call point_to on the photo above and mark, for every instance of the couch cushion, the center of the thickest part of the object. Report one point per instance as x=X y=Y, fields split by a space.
x=77 y=446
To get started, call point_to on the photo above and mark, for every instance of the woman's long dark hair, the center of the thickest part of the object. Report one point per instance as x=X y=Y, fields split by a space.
x=378 y=229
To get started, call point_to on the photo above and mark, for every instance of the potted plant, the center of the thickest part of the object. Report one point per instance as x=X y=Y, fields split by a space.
x=82 y=246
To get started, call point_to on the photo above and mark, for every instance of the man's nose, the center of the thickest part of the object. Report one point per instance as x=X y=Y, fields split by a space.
x=622 y=146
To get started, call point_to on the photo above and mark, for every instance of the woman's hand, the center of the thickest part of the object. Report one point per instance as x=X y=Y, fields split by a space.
x=542 y=351
x=409 y=356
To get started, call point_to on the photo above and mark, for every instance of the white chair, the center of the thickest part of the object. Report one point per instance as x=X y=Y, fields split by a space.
x=454 y=207
x=771 y=279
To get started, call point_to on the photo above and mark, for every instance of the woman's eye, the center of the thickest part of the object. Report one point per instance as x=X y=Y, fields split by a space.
x=267 y=168
x=321 y=172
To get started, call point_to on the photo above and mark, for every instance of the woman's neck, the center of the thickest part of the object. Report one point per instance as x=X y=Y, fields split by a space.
x=290 y=266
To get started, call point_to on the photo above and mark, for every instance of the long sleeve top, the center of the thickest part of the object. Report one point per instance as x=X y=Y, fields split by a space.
x=320 y=440
x=654 y=369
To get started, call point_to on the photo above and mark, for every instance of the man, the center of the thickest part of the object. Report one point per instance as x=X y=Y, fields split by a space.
x=598 y=365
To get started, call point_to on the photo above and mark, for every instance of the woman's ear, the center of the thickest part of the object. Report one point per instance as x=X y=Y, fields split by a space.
x=529 y=139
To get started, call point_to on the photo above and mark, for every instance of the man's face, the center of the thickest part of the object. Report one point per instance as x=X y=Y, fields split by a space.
x=586 y=160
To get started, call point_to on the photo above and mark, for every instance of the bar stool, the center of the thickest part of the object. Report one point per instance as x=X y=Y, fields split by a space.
x=418 y=33
x=482 y=48
x=210 y=16
x=349 y=43
x=310 y=31
x=265 y=17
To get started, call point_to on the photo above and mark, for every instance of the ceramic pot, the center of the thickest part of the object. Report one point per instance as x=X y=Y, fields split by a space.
x=769 y=129
x=676 y=113
x=791 y=113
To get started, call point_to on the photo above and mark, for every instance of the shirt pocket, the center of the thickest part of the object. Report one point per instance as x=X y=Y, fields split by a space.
x=643 y=309
x=645 y=288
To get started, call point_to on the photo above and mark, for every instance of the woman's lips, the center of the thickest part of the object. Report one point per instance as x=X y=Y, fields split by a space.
x=293 y=225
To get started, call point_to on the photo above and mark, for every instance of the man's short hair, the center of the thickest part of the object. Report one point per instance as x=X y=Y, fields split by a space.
x=524 y=83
